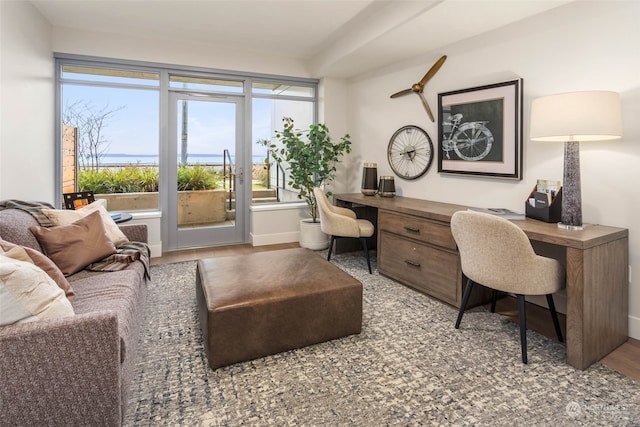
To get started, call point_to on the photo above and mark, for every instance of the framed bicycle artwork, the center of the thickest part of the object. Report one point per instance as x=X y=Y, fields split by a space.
x=480 y=131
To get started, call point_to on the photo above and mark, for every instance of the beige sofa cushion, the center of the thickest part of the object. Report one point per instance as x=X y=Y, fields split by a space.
x=34 y=257
x=66 y=217
x=27 y=293
x=72 y=247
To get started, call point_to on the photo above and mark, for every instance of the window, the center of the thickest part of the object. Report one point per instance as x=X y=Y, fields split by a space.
x=111 y=114
x=272 y=102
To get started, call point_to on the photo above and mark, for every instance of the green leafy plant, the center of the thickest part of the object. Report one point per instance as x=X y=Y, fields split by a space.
x=310 y=157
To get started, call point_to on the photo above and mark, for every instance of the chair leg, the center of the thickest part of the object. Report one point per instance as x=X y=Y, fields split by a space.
x=554 y=316
x=333 y=238
x=494 y=299
x=366 y=252
x=465 y=299
x=522 y=315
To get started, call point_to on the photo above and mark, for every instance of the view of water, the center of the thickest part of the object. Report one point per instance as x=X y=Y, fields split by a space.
x=150 y=159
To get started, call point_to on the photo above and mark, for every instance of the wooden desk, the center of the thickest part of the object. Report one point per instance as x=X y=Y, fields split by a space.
x=596 y=261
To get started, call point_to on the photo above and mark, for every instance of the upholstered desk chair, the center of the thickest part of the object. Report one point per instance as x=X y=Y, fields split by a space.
x=497 y=254
x=340 y=222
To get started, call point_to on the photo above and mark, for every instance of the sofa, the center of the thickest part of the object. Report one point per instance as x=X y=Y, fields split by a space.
x=74 y=370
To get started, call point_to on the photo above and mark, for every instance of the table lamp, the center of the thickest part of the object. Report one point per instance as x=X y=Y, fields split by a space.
x=570 y=118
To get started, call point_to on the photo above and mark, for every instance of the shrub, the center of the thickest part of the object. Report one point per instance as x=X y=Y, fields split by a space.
x=132 y=179
x=148 y=180
x=197 y=178
x=93 y=180
x=260 y=173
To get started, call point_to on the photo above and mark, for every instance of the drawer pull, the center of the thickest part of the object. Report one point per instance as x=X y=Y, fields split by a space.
x=412 y=263
x=412 y=230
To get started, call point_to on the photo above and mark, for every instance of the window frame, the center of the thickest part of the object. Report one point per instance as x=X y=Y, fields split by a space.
x=165 y=71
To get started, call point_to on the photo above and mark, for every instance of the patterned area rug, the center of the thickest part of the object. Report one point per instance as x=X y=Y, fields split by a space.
x=409 y=366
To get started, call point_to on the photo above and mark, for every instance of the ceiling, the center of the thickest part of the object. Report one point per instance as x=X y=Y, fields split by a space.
x=335 y=38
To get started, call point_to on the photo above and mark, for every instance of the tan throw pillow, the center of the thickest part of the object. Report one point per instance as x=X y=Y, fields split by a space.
x=28 y=294
x=34 y=257
x=66 y=217
x=73 y=247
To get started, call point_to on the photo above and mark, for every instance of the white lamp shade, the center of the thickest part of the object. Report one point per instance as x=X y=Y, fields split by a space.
x=576 y=116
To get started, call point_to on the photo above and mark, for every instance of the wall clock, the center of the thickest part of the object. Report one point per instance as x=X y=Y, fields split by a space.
x=410 y=152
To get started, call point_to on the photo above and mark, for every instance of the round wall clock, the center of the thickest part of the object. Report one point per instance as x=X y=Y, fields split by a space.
x=410 y=152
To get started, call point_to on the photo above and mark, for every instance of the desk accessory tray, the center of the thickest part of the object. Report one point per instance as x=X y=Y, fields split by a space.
x=551 y=213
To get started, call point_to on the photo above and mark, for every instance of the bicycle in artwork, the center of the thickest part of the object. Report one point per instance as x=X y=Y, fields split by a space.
x=470 y=141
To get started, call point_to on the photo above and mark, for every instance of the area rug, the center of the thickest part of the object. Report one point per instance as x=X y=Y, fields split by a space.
x=409 y=366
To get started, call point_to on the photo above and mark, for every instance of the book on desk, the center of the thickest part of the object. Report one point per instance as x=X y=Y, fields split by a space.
x=501 y=212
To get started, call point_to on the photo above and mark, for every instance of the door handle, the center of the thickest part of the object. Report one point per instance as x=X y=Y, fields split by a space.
x=240 y=176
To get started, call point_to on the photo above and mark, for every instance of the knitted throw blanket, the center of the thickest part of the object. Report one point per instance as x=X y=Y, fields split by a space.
x=33 y=208
x=125 y=255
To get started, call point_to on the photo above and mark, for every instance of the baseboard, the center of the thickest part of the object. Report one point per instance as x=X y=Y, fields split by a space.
x=634 y=327
x=156 y=250
x=274 y=239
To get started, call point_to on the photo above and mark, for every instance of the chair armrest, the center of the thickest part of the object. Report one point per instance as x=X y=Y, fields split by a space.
x=135 y=232
x=61 y=371
x=343 y=211
x=340 y=225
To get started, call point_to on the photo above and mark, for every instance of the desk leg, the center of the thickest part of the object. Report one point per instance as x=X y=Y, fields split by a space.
x=597 y=301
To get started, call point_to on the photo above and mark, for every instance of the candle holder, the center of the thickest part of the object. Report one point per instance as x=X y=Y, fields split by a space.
x=369 y=179
x=387 y=186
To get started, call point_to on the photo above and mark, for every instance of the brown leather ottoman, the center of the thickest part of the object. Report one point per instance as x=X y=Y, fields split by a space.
x=264 y=303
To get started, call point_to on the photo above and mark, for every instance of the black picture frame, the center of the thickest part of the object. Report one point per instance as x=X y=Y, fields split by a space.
x=480 y=131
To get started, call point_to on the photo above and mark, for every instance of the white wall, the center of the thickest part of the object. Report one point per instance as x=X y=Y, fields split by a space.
x=26 y=100
x=553 y=52
x=333 y=111
x=273 y=224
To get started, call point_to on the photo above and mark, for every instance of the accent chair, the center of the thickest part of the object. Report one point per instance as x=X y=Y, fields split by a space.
x=496 y=253
x=340 y=222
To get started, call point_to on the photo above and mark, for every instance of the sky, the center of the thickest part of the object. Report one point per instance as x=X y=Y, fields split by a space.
x=133 y=127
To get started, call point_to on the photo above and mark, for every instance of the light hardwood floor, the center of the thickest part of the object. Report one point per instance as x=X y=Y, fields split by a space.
x=625 y=359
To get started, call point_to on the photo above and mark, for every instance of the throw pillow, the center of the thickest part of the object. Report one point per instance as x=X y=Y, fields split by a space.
x=34 y=257
x=66 y=217
x=28 y=294
x=72 y=247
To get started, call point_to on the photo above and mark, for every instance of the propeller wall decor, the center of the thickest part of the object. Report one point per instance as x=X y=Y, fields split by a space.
x=419 y=87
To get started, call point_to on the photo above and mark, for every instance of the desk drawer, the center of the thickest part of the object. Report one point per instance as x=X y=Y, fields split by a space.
x=430 y=270
x=425 y=230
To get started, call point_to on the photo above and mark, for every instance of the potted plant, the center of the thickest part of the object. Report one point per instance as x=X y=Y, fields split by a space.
x=310 y=158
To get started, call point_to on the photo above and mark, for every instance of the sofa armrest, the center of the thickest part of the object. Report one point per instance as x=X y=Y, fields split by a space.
x=61 y=372
x=135 y=232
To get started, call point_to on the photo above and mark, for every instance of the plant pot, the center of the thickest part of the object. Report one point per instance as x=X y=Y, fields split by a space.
x=311 y=236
